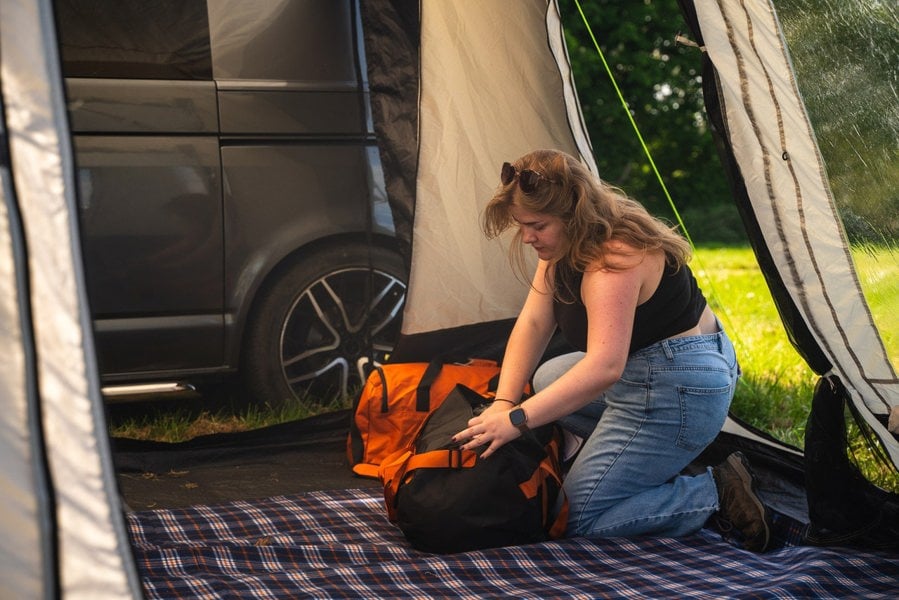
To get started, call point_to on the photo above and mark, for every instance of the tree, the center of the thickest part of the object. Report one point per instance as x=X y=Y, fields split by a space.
x=845 y=55
x=661 y=83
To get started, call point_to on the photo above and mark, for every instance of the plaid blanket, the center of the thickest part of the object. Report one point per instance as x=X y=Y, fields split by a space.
x=339 y=544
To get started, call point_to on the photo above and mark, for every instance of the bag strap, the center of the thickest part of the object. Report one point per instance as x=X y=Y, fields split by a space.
x=549 y=469
x=446 y=458
x=396 y=467
x=423 y=391
x=385 y=404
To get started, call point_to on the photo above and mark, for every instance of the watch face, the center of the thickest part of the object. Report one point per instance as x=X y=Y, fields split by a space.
x=518 y=417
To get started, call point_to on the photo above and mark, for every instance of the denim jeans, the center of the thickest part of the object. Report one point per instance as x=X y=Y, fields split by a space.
x=669 y=404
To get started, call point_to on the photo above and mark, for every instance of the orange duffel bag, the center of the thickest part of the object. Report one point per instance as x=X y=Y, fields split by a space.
x=398 y=397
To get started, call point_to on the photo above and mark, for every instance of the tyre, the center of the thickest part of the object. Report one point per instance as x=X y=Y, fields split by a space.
x=319 y=321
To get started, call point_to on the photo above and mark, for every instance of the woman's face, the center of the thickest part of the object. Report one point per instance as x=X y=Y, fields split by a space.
x=545 y=233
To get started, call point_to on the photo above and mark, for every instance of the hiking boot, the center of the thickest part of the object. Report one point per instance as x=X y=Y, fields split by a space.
x=738 y=504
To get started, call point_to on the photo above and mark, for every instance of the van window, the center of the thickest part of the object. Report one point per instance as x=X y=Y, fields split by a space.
x=134 y=39
x=308 y=41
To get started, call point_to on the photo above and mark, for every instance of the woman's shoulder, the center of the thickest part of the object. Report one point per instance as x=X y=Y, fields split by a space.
x=619 y=255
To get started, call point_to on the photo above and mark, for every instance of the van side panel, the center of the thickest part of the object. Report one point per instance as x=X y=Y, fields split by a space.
x=277 y=113
x=213 y=139
x=152 y=238
x=279 y=198
x=282 y=40
x=296 y=138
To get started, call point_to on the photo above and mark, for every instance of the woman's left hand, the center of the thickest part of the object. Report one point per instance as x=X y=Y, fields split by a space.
x=491 y=429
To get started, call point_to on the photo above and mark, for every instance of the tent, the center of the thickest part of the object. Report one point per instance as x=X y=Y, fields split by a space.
x=477 y=98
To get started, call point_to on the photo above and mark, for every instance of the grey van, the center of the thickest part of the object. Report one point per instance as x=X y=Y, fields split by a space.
x=233 y=211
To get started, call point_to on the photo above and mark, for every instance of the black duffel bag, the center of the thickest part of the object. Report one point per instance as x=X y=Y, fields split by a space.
x=449 y=500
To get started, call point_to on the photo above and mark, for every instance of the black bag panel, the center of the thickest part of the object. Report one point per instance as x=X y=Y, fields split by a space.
x=440 y=511
x=446 y=510
x=449 y=418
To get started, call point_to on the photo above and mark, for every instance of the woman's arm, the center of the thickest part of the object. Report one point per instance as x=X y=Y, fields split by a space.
x=611 y=298
x=527 y=342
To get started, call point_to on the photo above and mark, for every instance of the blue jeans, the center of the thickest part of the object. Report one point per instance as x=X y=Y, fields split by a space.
x=669 y=404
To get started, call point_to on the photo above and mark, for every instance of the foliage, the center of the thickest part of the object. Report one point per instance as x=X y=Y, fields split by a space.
x=661 y=83
x=845 y=56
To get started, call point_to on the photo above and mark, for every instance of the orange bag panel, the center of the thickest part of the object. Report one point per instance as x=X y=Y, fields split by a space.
x=390 y=411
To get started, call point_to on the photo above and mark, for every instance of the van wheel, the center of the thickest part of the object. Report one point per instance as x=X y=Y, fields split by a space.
x=319 y=321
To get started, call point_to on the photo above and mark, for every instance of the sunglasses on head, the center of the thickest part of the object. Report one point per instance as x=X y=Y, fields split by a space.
x=527 y=179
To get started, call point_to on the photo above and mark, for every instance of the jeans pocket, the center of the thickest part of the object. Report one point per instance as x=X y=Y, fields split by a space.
x=703 y=411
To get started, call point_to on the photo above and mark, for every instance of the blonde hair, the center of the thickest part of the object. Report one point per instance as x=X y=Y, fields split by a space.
x=594 y=213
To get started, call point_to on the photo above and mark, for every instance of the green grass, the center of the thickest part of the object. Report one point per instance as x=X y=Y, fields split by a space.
x=776 y=385
x=774 y=393
x=878 y=269
x=192 y=416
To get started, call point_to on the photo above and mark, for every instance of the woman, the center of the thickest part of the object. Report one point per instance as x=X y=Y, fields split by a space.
x=654 y=376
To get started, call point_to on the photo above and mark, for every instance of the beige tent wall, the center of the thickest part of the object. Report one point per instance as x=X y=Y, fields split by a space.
x=490 y=92
x=26 y=550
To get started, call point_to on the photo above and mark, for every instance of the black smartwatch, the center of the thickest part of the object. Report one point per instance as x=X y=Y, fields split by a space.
x=519 y=419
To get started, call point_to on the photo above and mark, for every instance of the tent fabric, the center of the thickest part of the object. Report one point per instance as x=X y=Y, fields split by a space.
x=782 y=175
x=339 y=544
x=26 y=545
x=78 y=544
x=480 y=105
x=391 y=32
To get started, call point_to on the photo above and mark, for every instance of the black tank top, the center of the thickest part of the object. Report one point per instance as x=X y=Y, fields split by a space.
x=675 y=306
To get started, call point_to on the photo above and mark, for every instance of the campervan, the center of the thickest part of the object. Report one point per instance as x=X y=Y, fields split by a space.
x=233 y=211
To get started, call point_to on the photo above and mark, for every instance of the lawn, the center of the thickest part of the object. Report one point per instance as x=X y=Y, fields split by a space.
x=776 y=386
x=775 y=391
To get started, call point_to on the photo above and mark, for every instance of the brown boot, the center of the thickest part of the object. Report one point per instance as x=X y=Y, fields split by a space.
x=738 y=504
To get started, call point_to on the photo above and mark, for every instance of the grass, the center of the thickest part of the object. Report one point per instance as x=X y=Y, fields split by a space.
x=193 y=415
x=774 y=393
x=776 y=384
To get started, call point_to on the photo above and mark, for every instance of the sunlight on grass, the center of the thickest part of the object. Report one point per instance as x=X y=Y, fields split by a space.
x=775 y=390
x=181 y=424
x=878 y=271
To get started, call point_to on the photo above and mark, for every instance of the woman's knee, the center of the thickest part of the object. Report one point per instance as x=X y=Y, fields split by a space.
x=554 y=368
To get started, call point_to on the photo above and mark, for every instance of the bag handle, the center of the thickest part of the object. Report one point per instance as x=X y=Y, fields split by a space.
x=385 y=405
x=399 y=465
x=423 y=390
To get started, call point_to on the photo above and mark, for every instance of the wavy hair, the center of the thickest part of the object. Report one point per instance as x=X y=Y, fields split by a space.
x=594 y=213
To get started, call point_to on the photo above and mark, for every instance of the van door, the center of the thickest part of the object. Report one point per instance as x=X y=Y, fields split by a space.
x=143 y=113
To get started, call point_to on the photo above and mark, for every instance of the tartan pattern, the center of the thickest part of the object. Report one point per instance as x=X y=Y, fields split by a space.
x=339 y=544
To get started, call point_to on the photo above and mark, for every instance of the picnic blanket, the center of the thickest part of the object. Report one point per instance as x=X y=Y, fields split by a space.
x=339 y=544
